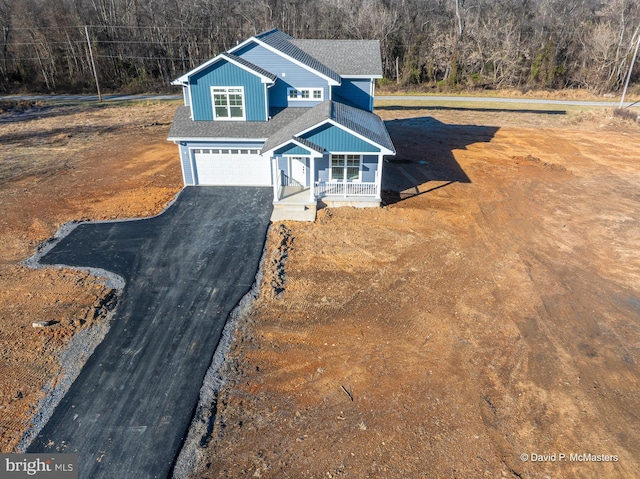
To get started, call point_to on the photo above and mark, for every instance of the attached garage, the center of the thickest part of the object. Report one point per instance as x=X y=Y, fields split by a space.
x=230 y=167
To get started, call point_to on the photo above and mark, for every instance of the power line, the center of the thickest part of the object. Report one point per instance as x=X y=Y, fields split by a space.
x=81 y=42
x=127 y=57
x=121 y=57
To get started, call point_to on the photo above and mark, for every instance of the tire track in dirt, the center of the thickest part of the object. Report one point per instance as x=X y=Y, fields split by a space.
x=470 y=324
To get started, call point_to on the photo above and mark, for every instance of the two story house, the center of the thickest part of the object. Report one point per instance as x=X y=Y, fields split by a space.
x=294 y=115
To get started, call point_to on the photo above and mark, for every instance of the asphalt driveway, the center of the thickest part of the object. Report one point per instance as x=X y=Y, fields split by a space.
x=129 y=409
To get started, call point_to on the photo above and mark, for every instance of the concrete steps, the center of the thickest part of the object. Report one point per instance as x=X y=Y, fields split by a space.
x=293 y=212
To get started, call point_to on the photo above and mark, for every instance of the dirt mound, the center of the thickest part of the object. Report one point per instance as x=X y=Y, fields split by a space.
x=529 y=159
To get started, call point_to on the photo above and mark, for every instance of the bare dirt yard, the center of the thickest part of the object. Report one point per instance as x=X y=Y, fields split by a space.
x=58 y=165
x=483 y=323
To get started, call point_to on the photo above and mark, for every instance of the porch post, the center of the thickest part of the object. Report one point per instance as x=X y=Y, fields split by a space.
x=274 y=178
x=379 y=178
x=312 y=178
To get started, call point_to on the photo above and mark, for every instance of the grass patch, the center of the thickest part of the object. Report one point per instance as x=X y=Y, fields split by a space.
x=488 y=106
x=10 y=106
x=626 y=114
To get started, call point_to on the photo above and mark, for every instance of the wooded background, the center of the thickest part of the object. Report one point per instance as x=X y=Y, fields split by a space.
x=141 y=45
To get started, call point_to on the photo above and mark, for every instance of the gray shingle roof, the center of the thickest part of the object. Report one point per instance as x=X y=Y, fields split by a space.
x=284 y=126
x=345 y=57
x=249 y=65
x=359 y=121
x=362 y=122
x=310 y=118
x=183 y=127
x=309 y=144
x=284 y=43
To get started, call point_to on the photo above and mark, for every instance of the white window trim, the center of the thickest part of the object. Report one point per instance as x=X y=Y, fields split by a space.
x=227 y=88
x=332 y=180
x=309 y=90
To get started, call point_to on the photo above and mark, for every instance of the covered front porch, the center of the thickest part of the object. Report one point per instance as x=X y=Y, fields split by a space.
x=333 y=179
x=330 y=194
x=333 y=156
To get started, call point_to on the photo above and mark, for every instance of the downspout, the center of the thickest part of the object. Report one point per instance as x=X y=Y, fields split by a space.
x=372 y=91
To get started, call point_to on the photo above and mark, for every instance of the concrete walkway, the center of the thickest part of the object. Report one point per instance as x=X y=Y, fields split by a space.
x=128 y=411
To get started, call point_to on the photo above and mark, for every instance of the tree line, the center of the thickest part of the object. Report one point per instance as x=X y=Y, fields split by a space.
x=141 y=45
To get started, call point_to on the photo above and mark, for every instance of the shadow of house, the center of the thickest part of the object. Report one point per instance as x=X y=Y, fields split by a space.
x=425 y=160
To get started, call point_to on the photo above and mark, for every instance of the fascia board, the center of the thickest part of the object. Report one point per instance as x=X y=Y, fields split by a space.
x=383 y=150
x=312 y=152
x=360 y=77
x=296 y=62
x=184 y=79
x=263 y=78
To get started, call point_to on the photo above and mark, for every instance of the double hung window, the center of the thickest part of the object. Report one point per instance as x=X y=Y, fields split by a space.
x=345 y=167
x=228 y=103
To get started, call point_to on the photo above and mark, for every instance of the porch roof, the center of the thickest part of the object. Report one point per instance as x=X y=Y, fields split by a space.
x=286 y=126
x=297 y=146
x=363 y=123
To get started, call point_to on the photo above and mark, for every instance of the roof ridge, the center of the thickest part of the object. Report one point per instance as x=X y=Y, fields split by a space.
x=271 y=32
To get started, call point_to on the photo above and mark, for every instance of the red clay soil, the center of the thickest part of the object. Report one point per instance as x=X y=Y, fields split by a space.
x=491 y=310
x=465 y=331
x=59 y=165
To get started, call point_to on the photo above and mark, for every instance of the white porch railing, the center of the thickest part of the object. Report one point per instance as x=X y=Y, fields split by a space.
x=288 y=181
x=324 y=188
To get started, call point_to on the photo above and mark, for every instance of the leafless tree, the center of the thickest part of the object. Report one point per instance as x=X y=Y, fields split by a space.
x=143 y=44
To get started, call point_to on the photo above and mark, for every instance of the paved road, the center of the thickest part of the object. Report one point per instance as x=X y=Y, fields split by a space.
x=87 y=98
x=475 y=99
x=471 y=99
x=129 y=409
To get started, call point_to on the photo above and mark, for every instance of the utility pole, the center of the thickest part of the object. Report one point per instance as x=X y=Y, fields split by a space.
x=93 y=63
x=633 y=60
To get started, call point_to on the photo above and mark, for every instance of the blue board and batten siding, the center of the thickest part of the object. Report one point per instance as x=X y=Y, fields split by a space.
x=226 y=74
x=289 y=75
x=337 y=140
x=292 y=149
x=356 y=91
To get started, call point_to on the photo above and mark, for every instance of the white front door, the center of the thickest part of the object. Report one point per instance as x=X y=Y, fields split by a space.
x=299 y=170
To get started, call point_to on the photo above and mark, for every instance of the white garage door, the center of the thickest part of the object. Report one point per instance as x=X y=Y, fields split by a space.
x=231 y=167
